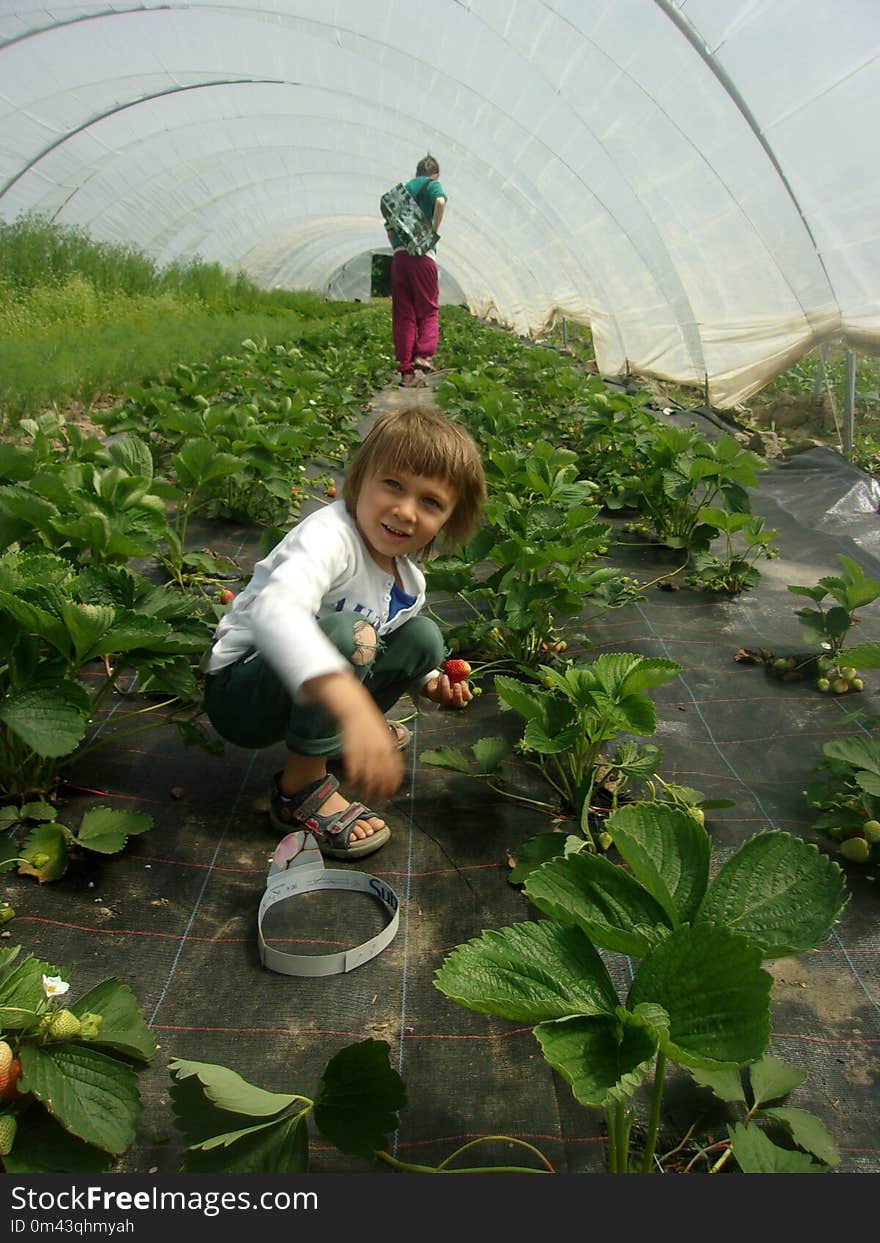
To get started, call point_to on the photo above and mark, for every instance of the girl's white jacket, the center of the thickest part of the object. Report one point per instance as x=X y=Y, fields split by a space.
x=320 y=567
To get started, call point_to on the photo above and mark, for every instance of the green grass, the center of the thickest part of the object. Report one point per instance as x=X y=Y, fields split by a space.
x=81 y=319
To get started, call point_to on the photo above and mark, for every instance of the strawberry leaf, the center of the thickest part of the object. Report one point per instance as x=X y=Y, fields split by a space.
x=778 y=891
x=668 y=851
x=756 y=1154
x=770 y=1079
x=610 y=907
x=717 y=997
x=806 y=1130
x=44 y=854
x=277 y=1147
x=602 y=1058
x=92 y=1095
x=358 y=1098
x=122 y=1028
x=106 y=830
x=529 y=972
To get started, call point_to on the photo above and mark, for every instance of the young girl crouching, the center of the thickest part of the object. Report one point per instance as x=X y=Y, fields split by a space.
x=327 y=636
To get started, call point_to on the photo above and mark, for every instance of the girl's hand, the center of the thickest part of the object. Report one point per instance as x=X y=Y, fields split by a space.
x=373 y=764
x=448 y=694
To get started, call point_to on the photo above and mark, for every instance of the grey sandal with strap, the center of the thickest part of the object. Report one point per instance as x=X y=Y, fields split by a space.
x=332 y=832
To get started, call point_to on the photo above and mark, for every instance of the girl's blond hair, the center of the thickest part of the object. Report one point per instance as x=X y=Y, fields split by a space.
x=421 y=440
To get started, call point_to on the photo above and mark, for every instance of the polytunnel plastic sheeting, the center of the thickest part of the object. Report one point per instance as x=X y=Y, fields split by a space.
x=694 y=180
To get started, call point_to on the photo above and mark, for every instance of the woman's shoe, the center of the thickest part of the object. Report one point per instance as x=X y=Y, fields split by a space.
x=409 y=379
x=423 y=364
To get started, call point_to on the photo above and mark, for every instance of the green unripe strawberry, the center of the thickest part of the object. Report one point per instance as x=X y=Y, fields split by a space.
x=64 y=1025
x=605 y=840
x=840 y=686
x=90 y=1025
x=8 y=1127
x=857 y=684
x=476 y=690
x=780 y=663
x=823 y=685
x=871 y=830
x=698 y=814
x=856 y=849
x=849 y=673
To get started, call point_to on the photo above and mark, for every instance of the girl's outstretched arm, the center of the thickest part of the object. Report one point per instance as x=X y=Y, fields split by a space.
x=372 y=762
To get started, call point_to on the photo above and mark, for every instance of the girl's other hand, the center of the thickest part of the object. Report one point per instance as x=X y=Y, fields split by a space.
x=448 y=694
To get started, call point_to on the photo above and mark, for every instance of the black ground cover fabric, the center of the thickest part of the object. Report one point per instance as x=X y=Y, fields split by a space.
x=174 y=916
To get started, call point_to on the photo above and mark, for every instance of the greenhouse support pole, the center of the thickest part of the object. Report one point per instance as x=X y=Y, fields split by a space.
x=850 y=403
x=564 y=333
x=819 y=381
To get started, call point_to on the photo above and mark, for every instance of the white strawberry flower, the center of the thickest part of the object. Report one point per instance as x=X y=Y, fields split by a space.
x=54 y=986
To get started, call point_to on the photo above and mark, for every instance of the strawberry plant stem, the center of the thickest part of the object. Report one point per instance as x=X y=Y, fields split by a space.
x=506 y=1139
x=654 y=1114
x=412 y=1168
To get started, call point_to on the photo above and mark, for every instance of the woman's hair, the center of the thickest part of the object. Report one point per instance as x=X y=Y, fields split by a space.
x=421 y=440
x=427 y=167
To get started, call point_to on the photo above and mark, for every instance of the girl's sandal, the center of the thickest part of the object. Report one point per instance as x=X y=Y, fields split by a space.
x=332 y=832
x=401 y=734
x=423 y=364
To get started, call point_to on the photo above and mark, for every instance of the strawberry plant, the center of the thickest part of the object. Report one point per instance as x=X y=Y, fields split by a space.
x=40 y=846
x=746 y=538
x=69 y=1099
x=699 y=996
x=540 y=535
x=53 y=622
x=846 y=792
x=837 y=597
x=570 y=721
x=688 y=475
x=613 y=438
x=103 y=510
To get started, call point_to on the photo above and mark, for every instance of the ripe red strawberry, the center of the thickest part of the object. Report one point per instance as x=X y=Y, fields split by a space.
x=10 y=1069
x=457 y=670
x=331 y=491
x=226 y=596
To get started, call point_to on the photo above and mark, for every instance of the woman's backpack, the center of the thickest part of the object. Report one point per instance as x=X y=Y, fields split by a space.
x=404 y=216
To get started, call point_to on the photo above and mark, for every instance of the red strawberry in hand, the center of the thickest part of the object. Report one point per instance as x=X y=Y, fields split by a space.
x=457 y=670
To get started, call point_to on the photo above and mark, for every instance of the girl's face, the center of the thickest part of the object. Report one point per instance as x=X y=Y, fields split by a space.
x=398 y=513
